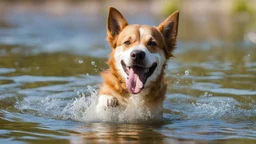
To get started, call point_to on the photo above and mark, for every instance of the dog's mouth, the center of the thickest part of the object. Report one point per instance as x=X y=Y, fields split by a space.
x=137 y=76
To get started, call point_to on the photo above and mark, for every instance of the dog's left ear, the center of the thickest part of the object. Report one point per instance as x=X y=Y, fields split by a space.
x=169 y=30
x=115 y=24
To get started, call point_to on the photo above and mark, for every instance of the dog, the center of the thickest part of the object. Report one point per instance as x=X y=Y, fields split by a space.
x=136 y=63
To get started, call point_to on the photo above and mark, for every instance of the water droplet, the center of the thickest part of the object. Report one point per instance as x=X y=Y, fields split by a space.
x=80 y=61
x=77 y=93
x=91 y=90
x=187 y=72
x=92 y=62
x=206 y=94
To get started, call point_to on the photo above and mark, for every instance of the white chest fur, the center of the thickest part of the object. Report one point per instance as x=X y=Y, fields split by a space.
x=136 y=110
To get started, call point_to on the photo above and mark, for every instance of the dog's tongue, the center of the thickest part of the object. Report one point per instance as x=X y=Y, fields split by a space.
x=135 y=80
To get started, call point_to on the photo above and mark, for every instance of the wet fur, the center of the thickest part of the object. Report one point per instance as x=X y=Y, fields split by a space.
x=114 y=84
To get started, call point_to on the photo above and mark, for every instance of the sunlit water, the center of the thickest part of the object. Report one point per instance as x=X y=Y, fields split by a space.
x=49 y=76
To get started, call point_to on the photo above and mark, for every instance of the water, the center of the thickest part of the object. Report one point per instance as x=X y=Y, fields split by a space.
x=49 y=76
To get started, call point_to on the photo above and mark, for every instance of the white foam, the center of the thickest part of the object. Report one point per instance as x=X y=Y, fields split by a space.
x=84 y=109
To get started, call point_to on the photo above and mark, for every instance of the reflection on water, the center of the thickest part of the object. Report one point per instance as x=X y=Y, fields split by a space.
x=50 y=65
x=108 y=133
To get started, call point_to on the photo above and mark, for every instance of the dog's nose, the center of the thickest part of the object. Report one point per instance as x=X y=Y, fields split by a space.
x=137 y=55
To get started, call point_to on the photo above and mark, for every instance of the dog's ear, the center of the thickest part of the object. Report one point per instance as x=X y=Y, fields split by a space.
x=169 y=30
x=115 y=24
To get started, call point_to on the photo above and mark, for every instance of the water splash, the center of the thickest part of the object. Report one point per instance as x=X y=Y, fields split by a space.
x=81 y=106
x=207 y=94
x=83 y=109
x=187 y=72
x=220 y=108
x=80 y=61
x=96 y=69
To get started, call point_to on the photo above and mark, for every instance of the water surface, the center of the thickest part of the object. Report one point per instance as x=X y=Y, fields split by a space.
x=49 y=73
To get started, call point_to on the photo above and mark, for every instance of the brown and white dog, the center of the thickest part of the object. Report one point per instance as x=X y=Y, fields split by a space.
x=137 y=62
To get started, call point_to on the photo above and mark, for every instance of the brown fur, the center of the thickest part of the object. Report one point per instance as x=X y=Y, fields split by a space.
x=114 y=84
x=117 y=31
x=170 y=36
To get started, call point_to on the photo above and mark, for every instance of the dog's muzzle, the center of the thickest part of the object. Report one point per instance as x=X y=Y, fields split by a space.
x=137 y=71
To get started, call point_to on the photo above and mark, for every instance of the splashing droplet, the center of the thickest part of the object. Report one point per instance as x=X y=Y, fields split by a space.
x=80 y=61
x=206 y=94
x=187 y=72
x=93 y=63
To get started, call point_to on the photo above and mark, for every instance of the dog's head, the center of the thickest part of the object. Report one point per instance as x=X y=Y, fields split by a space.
x=139 y=51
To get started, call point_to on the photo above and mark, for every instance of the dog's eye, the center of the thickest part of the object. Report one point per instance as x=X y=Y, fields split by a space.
x=127 y=42
x=151 y=43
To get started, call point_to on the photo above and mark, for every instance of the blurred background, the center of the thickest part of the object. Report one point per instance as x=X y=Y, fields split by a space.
x=216 y=19
x=52 y=51
x=29 y=27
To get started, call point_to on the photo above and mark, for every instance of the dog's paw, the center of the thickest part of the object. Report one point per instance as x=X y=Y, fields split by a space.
x=107 y=102
x=112 y=102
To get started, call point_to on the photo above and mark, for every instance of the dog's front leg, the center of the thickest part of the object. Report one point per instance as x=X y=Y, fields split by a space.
x=106 y=102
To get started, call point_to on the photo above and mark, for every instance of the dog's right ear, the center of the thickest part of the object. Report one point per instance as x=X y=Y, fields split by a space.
x=169 y=30
x=115 y=24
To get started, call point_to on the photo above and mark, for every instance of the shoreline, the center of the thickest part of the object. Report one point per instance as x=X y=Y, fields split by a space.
x=62 y=7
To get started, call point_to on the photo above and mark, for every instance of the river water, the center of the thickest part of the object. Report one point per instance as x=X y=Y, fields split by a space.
x=49 y=76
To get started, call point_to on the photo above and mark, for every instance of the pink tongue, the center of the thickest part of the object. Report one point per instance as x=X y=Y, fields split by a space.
x=135 y=80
